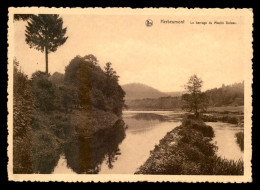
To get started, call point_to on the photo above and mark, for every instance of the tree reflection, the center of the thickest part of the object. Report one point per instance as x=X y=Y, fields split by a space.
x=85 y=155
x=149 y=116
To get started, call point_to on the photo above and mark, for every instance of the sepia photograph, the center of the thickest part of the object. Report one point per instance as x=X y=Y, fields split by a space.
x=121 y=94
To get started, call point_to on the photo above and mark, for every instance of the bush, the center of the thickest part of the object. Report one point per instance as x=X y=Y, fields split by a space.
x=228 y=119
x=43 y=92
x=199 y=125
x=219 y=166
x=22 y=122
x=225 y=119
x=191 y=154
x=41 y=122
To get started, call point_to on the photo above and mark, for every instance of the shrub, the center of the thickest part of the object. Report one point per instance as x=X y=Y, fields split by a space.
x=22 y=123
x=219 y=166
x=192 y=154
x=43 y=92
x=228 y=119
x=199 y=125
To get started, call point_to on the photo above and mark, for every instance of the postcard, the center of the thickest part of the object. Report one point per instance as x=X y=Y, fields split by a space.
x=127 y=95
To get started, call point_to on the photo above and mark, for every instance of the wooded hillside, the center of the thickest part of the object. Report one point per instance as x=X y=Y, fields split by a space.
x=227 y=95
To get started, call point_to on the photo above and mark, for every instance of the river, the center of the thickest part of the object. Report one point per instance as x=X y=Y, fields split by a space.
x=124 y=153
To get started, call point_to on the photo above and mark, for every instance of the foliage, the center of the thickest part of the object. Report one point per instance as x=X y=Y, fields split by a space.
x=221 y=166
x=45 y=32
x=221 y=117
x=227 y=95
x=150 y=116
x=23 y=17
x=194 y=101
x=36 y=133
x=85 y=155
x=156 y=104
x=41 y=123
x=44 y=97
x=57 y=79
x=92 y=87
x=46 y=151
x=231 y=96
x=187 y=150
x=198 y=125
x=22 y=122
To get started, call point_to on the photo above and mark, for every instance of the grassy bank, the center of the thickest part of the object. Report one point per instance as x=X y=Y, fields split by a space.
x=226 y=114
x=187 y=150
x=223 y=118
x=225 y=109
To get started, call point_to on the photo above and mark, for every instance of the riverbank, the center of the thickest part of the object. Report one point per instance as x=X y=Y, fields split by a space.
x=51 y=110
x=226 y=114
x=53 y=131
x=226 y=118
x=187 y=150
x=84 y=123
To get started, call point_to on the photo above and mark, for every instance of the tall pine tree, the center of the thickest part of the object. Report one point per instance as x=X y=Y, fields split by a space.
x=45 y=32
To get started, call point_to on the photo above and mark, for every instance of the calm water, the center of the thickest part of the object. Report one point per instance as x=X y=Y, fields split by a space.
x=226 y=141
x=128 y=149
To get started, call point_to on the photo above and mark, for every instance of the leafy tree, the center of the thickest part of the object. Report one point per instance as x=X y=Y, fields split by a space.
x=91 y=58
x=113 y=90
x=111 y=78
x=194 y=101
x=23 y=17
x=45 y=32
x=43 y=92
x=110 y=73
x=93 y=87
x=22 y=122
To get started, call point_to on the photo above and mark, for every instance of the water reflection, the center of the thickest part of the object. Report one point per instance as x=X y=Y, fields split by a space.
x=226 y=140
x=45 y=162
x=86 y=155
x=121 y=151
x=150 y=116
x=62 y=166
x=144 y=131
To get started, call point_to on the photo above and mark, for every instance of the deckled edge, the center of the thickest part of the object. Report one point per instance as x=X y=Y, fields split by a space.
x=124 y=177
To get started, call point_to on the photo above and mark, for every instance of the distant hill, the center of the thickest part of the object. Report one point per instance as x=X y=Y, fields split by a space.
x=162 y=103
x=175 y=94
x=141 y=91
x=227 y=95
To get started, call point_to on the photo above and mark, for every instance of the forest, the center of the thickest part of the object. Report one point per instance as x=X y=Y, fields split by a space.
x=50 y=110
x=227 y=95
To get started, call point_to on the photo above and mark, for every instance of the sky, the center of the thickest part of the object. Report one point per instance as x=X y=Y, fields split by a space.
x=162 y=56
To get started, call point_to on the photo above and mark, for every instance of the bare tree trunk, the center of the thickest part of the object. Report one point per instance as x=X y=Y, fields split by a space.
x=46 y=60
